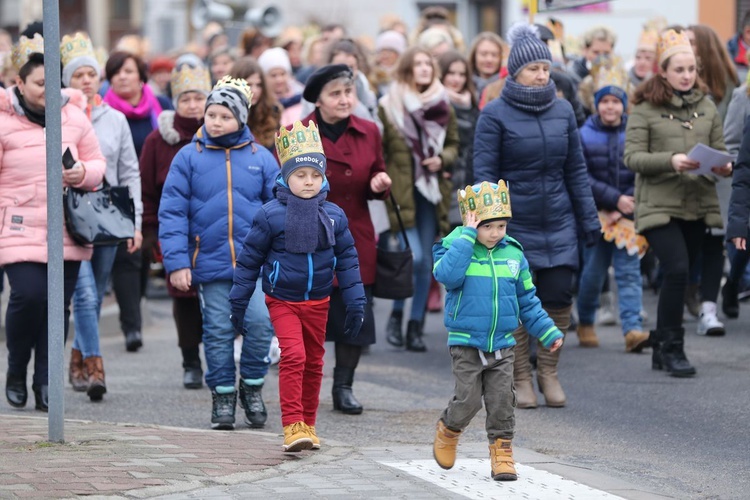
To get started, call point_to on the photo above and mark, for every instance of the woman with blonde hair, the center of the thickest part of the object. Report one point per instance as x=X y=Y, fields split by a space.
x=420 y=143
x=486 y=59
x=265 y=111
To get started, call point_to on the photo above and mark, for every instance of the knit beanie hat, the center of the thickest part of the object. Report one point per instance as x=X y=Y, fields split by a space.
x=391 y=40
x=611 y=90
x=312 y=160
x=233 y=93
x=526 y=48
x=77 y=51
x=275 y=58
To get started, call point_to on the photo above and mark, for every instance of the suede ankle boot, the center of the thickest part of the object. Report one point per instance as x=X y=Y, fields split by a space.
x=77 y=372
x=501 y=460
x=525 y=395
x=343 y=397
x=96 y=384
x=414 y=340
x=546 y=372
x=444 y=446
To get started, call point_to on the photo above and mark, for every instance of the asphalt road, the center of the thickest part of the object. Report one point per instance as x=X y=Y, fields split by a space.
x=684 y=438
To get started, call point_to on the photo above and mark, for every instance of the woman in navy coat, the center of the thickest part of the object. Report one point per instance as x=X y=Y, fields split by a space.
x=529 y=138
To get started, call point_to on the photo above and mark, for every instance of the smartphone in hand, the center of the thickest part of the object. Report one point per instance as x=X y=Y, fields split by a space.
x=68 y=160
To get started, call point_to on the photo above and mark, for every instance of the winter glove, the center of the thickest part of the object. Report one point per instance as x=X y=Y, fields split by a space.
x=238 y=321
x=355 y=316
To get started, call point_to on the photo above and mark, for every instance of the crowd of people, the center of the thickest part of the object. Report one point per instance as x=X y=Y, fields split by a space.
x=235 y=156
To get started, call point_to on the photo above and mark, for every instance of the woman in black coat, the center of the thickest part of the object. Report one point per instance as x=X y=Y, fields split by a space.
x=739 y=215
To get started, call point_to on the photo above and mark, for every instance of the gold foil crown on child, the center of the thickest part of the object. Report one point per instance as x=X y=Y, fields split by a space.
x=487 y=200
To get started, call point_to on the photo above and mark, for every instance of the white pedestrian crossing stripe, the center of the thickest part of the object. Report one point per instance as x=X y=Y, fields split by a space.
x=471 y=479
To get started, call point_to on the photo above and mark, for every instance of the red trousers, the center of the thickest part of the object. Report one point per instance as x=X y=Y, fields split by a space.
x=301 y=330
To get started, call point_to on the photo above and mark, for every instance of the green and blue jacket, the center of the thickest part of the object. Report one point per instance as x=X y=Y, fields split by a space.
x=489 y=292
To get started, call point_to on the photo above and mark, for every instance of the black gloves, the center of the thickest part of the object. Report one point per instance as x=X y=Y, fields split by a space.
x=355 y=316
x=238 y=321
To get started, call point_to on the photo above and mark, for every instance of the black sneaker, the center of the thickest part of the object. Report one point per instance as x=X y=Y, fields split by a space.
x=222 y=413
x=133 y=341
x=251 y=400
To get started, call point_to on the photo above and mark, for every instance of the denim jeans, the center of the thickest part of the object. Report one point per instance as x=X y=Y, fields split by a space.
x=87 y=299
x=597 y=260
x=218 y=335
x=421 y=238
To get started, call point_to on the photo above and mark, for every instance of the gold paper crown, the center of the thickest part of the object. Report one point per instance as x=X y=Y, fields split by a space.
x=608 y=72
x=237 y=84
x=671 y=43
x=648 y=40
x=78 y=45
x=24 y=48
x=488 y=201
x=299 y=141
x=191 y=79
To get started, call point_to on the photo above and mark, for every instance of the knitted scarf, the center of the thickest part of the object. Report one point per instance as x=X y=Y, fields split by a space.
x=33 y=115
x=307 y=226
x=147 y=106
x=422 y=119
x=527 y=98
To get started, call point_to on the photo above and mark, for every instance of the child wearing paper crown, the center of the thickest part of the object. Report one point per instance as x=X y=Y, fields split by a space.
x=489 y=289
x=613 y=186
x=214 y=188
x=297 y=243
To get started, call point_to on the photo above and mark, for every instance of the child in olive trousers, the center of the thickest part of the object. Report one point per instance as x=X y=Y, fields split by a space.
x=489 y=288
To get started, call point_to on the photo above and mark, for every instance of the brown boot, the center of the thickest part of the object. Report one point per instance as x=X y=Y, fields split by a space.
x=587 y=336
x=635 y=341
x=444 y=446
x=77 y=372
x=546 y=362
x=96 y=385
x=525 y=395
x=501 y=459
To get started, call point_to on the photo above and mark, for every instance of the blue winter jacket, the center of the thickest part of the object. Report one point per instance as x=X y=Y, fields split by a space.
x=489 y=290
x=296 y=277
x=603 y=149
x=208 y=203
x=539 y=155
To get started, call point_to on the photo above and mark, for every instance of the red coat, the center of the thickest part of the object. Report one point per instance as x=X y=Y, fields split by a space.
x=352 y=162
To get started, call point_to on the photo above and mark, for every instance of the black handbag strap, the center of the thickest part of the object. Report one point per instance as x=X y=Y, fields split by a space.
x=400 y=221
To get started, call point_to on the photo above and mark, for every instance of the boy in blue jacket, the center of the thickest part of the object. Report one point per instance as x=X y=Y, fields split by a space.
x=489 y=289
x=296 y=243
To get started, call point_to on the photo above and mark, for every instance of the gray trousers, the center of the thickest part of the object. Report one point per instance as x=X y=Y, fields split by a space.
x=474 y=380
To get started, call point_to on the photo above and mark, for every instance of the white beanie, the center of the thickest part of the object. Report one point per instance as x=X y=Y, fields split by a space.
x=275 y=58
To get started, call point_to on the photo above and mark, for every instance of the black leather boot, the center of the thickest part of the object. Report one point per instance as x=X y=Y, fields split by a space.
x=191 y=363
x=414 y=340
x=673 y=353
x=655 y=341
x=343 y=397
x=41 y=396
x=394 y=330
x=16 y=391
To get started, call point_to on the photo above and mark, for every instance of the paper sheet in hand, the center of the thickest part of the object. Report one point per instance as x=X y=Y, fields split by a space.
x=708 y=158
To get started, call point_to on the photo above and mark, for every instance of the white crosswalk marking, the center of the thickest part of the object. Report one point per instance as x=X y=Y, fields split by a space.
x=471 y=478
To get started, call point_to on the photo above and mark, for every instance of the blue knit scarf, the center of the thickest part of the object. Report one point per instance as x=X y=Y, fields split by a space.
x=527 y=98
x=307 y=226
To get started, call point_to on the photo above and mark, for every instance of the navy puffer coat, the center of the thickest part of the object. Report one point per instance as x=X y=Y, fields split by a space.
x=603 y=148
x=539 y=155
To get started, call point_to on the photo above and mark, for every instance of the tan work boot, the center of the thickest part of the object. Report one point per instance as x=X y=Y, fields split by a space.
x=501 y=460
x=314 y=437
x=96 y=387
x=587 y=336
x=546 y=362
x=296 y=437
x=525 y=395
x=635 y=341
x=77 y=372
x=444 y=446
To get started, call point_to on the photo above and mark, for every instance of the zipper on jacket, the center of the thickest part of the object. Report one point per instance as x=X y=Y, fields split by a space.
x=274 y=276
x=544 y=184
x=230 y=202
x=458 y=303
x=309 y=276
x=197 y=249
x=494 y=302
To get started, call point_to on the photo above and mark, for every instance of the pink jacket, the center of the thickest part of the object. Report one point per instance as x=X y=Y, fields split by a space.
x=23 y=177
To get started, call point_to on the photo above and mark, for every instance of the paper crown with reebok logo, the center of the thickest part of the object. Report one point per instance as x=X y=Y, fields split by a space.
x=298 y=142
x=77 y=45
x=487 y=200
x=191 y=79
x=236 y=84
x=24 y=48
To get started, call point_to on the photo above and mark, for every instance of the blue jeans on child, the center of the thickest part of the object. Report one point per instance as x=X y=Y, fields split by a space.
x=87 y=299
x=421 y=238
x=596 y=262
x=218 y=335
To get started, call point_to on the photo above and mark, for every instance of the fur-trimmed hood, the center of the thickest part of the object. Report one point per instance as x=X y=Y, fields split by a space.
x=9 y=102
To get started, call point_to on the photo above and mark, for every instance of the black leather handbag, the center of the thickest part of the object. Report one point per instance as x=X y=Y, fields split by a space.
x=102 y=217
x=394 y=278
